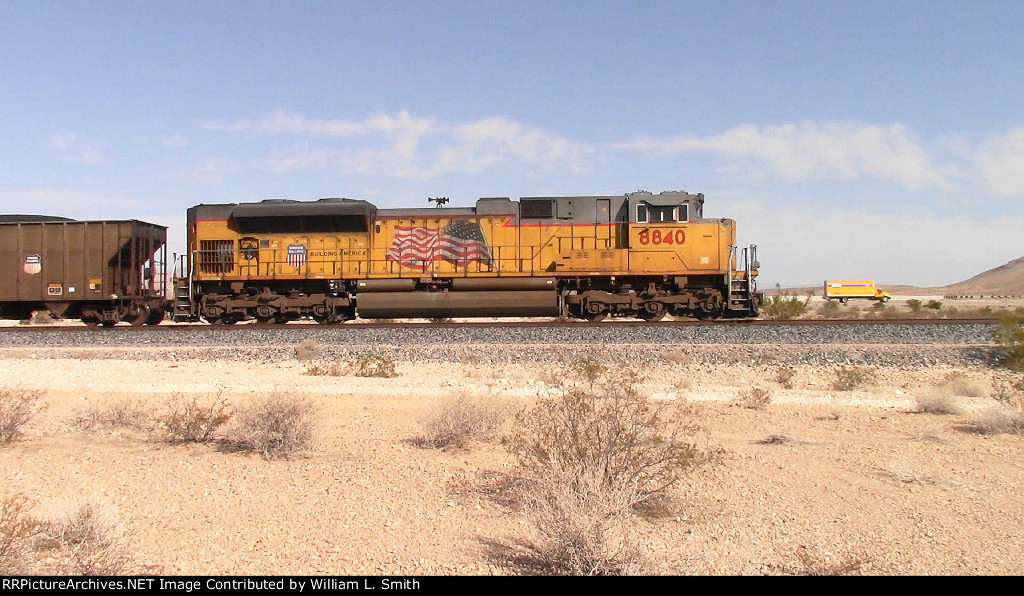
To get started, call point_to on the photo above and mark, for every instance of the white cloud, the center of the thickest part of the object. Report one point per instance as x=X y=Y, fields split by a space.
x=404 y=146
x=71 y=148
x=1000 y=162
x=810 y=151
x=483 y=143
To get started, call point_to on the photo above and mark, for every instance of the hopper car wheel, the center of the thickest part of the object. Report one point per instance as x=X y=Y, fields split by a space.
x=651 y=316
x=141 y=317
x=91 y=321
x=265 y=320
x=155 y=316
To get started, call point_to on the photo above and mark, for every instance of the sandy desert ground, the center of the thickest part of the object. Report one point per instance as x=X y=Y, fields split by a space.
x=815 y=479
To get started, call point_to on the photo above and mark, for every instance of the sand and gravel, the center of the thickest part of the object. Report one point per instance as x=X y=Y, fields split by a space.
x=850 y=475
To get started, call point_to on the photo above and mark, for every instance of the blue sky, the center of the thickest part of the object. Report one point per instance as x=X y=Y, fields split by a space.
x=865 y=139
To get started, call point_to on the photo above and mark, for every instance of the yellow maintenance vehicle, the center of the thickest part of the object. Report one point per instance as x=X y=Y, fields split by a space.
x=844 y=289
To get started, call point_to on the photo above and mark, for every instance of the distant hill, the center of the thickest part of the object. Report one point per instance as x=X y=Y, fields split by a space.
x=1004 y=280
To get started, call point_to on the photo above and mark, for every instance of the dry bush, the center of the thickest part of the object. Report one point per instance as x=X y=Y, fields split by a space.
x=373 y=364
x=829 y=310
x=127 y=412
x=89 y=537
x=17 y=527
x=308 y=349
x=784 y=307
x=18 y=405
x=594 y=456
x=937 y=400
x=457 y=420
x=960 y=384
x=41 y=317
x=582 y=524
x=335 y=368
x=190 y=420
x=1009 y=334
x=275 y=425
x=1006 y=416
x=849 y=378
x=784 y=376
x=755 y=398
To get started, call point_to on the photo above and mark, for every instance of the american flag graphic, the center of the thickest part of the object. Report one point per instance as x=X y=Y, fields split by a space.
x=296 y=255
x=460 y=243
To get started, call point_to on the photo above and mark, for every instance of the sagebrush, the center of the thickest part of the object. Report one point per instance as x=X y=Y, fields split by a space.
x=191 y=419
x=275 y=425
x=594 y=452
x=849 y=378
x=17 y=527
x=18 y=405
x=456 y=420
x=89 y=537
x=373 y=363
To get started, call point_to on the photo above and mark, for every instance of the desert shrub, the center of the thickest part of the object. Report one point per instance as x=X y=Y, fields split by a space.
x=18 y=406
x=1009 y=334
x=784 y=377
x=784 y=307
x=628 y=437
x=334 y=368
x=849 y=378
x=128 y=412
x=41 y=317
x=373 y=364
x=308 y=349
x=89 y=536
x=582 y=525
x=457 y=420
x=755 y=398
x=937 y=400
x=188 y=419
x=933 y=304
x=590 y=370
x=275 y=425
x=997 y=419
x=594 y=456
x=914 y=305
x=17 y=527
x=829 y=310
x=1005 y=391
x=960 y=384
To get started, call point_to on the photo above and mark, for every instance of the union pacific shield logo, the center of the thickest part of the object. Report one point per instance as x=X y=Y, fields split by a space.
x=296 y=255
x=33 y=264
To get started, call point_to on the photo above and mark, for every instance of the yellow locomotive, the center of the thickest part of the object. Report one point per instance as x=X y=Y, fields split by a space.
x=635 y=255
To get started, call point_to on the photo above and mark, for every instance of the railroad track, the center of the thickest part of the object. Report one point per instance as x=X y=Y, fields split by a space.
x=177 y=327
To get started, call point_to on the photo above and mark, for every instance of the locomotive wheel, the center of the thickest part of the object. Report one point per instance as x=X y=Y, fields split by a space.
x=265 y=320
x=595 y=317
x=107 y=323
